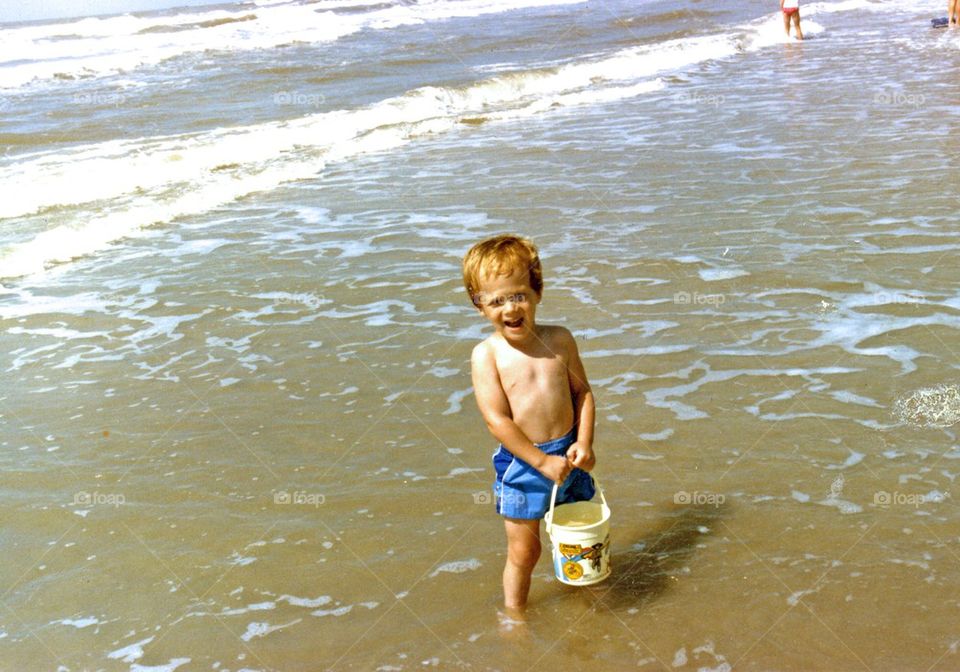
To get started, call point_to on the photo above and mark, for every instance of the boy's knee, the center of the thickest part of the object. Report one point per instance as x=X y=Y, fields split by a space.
x=526 y=554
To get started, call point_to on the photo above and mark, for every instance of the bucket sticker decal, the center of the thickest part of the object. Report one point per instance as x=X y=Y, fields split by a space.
x=572 y=570
x=575 y=552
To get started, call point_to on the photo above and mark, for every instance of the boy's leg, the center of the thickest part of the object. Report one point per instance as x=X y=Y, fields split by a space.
x=786 y=23
x=523 y=551
x=796 y=24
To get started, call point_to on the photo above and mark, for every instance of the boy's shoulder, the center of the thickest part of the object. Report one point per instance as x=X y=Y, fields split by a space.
x=486 y=343
x=554 y=331
x=555 y=335
x=552 y=335
x=485 y=349
x=543 y=331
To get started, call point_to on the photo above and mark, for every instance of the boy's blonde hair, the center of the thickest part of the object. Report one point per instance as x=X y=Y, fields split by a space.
x=501 y=255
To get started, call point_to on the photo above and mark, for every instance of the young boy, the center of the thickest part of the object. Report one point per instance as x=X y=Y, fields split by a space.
x=791 y=10
x=533 y=394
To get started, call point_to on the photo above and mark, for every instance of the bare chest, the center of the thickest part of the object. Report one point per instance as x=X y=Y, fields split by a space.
x=522 y=375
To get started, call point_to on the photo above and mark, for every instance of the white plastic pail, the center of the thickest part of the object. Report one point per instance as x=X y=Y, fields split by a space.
x=580 y=539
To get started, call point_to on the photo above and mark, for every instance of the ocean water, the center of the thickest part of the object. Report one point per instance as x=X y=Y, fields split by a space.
x=236 y=424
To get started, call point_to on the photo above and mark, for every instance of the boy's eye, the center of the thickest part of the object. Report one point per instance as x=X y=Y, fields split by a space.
x=488 y=300
x=499 y=301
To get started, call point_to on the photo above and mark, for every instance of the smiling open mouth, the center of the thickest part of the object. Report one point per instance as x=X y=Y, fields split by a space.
x=513 y=324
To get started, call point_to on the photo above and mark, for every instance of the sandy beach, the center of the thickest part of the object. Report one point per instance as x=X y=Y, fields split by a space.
x=238 y=429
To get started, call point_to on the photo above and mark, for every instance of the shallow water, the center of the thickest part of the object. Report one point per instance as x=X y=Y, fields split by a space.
x=243 y=437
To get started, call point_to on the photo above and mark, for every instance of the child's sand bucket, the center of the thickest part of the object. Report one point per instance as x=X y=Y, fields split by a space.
x=580 y=538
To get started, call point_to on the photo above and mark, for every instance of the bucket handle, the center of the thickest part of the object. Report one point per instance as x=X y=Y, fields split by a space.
x=553 y=500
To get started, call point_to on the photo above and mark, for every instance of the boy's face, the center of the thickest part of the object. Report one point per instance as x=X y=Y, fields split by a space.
x=510 y=304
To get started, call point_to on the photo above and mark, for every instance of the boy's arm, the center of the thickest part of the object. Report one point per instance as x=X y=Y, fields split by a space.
x=495 y=409
x=584 y=408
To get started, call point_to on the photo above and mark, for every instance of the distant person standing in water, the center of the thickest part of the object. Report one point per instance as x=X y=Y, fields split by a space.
x=791 y=10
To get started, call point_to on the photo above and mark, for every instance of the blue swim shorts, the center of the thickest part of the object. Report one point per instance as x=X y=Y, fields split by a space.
x=520 y=491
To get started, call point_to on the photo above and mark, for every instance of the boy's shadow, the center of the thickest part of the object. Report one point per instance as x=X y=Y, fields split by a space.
x=647 y=569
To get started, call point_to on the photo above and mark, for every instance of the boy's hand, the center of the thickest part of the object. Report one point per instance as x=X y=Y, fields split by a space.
x=581 y=456
x=556 y=468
